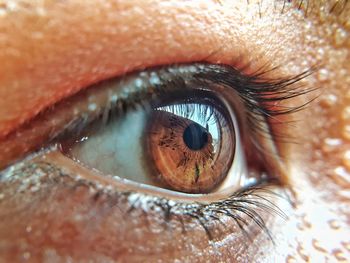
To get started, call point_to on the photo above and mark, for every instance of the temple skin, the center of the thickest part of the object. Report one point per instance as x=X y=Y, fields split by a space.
x=50 y=50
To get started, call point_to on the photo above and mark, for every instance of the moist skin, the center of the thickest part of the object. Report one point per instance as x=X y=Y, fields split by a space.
x=50 y=50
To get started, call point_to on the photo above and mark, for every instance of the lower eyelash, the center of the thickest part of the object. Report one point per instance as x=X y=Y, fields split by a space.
x=243 y=207
x=240 y=207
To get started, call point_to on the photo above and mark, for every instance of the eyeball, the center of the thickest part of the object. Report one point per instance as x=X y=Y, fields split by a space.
x=191 y=146
x=186 y=145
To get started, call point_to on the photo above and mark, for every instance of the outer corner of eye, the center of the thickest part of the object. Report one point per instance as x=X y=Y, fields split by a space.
x=184 y=140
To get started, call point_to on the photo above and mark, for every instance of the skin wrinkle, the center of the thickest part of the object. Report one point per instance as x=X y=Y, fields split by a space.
x=317 y=227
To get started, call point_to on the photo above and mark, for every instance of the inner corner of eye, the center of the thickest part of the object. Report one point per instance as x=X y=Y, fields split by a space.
x=190 y=145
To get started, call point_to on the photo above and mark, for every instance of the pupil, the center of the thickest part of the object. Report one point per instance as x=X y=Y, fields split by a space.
x=195 y=136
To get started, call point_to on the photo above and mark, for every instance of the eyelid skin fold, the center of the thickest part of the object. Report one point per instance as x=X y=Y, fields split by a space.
x=65 y=55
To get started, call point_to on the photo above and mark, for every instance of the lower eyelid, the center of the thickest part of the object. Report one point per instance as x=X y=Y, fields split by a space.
x=58 y=191
x=213 y=220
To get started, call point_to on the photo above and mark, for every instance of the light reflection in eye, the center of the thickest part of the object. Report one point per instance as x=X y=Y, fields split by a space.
x=191 y=145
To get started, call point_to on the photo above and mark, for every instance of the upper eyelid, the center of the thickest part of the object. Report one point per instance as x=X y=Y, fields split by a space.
x=49 y=92
x=219 y=74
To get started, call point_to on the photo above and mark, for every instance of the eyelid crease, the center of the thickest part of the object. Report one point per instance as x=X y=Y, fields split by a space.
x=256 y=90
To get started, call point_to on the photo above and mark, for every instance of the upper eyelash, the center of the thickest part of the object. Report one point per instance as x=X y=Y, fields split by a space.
x=258 y=91
x=252 y=89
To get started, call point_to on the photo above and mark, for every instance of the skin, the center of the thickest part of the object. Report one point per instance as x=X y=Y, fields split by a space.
x=49 y=50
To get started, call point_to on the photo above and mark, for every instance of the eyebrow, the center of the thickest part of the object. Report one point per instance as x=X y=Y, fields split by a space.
x=326 y=12
x=334 y=10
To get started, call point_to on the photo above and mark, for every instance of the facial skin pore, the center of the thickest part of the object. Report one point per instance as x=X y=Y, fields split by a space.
x=50 y=50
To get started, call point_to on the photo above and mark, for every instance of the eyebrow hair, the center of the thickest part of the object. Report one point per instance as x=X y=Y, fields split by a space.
x=336 y=11
x=324 y=11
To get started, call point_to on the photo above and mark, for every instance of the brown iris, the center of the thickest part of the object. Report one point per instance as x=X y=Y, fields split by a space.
x=191 y=153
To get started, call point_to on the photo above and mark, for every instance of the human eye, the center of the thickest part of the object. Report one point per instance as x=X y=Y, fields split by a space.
x=174 y=131
x=196 y=128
